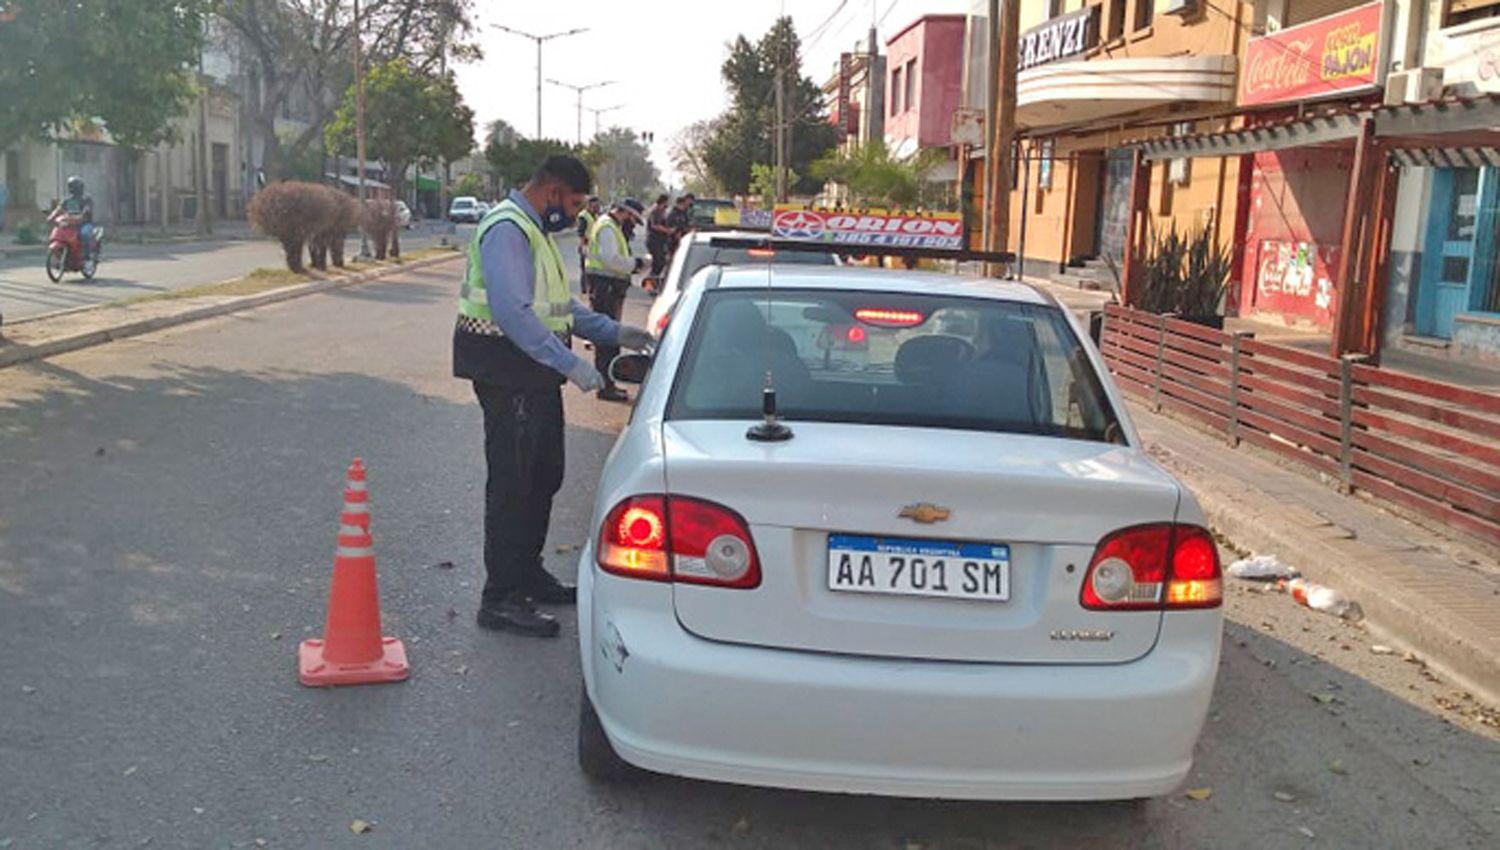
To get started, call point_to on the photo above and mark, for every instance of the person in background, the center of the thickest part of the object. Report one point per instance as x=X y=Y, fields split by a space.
x=609 y=267
x=586 y=221
x=680 y=219
x=658 y=237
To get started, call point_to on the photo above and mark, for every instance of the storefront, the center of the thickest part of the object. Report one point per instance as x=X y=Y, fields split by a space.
x=1090 y=78
x=1293 y=224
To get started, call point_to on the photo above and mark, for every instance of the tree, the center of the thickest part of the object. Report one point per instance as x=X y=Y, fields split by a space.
x=470 y=184
x=124 y=62
x=763 y=183
x=621 y=164
x=875 y=178
x=688 y=154
x=410 y=118
x=301 y=52
x=744 y=134
x=513 y=163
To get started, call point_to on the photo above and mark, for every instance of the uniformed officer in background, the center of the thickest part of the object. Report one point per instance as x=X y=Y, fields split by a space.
x=586 y=221
x=516 y=317
x=607 y=272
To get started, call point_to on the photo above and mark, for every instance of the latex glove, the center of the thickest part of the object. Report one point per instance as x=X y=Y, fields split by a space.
x=634 y=338
x=585 y=377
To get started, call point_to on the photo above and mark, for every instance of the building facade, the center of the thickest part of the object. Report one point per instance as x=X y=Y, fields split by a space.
x=924 y=77
x=1444 y=287
x=1091 y=77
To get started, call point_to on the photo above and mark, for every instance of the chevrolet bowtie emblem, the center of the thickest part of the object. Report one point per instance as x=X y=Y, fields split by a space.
x=925 y=513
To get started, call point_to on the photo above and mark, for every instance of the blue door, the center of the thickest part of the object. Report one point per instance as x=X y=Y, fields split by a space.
x=1461 y=219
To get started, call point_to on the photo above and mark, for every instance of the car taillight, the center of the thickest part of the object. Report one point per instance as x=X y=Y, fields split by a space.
x=678 y=538
x=1153 y=567
x=661 y=324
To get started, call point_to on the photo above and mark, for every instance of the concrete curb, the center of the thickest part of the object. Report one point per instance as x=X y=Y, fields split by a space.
x=1329 y=553
x=17 y=354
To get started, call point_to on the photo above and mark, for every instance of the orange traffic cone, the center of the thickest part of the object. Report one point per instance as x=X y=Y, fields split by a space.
x=352 y=650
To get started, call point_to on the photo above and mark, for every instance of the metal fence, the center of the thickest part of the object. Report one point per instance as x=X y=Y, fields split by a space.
x=1427 y=446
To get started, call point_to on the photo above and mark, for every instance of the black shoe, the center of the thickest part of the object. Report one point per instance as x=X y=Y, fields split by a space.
x=518 y=614
x=612 y=394
x=550 y=590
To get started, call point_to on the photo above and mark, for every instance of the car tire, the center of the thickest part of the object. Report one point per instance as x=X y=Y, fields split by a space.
x=596 y=755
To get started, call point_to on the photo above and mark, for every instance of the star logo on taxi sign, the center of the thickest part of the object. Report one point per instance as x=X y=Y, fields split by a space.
x=799 y=224
x=925 y=513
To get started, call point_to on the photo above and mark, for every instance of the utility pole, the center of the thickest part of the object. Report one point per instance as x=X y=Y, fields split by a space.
x=200 y=221
x=579 y=90
x=359 y=129
x=1001 y=128
x=539 y=39
x=447 y=174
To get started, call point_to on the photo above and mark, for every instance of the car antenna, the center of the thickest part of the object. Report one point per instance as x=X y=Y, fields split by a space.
x=770 y=429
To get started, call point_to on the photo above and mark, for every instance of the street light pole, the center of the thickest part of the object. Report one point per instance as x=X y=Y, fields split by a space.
x=539 y=39
x=359 y=130
x=579 y=90
x=598 y=112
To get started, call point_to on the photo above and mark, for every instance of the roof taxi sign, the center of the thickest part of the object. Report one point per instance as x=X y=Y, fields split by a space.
x=939 y=230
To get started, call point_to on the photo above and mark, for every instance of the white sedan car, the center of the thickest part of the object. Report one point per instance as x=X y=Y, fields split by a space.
x=956 y=575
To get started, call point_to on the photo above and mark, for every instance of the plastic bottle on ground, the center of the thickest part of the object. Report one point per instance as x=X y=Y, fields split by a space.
x=1323 y=598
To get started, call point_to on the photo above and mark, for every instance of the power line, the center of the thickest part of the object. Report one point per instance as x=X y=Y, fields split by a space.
x=821 y=29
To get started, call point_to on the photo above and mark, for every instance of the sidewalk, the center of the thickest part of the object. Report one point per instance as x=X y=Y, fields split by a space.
x=134 y=234
x=1430 y=593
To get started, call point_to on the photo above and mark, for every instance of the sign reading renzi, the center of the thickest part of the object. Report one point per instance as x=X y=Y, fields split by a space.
x=1063 y=36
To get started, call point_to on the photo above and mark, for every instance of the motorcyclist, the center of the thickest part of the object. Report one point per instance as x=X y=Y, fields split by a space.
x=80 y=206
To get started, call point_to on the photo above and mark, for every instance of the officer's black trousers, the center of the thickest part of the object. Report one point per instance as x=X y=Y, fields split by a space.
x=523 y=451
x=607 y=297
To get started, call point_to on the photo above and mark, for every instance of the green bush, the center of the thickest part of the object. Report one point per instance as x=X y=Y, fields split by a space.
x=1186 y=275
x=25 y=235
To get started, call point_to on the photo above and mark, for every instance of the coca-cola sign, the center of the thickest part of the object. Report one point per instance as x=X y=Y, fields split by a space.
x=1335 y=55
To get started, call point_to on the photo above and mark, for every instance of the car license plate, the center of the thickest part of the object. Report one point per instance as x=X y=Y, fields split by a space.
x=919 y=567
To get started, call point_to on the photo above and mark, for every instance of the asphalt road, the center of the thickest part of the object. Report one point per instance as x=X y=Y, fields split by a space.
x=129 y=271
x=167 y=521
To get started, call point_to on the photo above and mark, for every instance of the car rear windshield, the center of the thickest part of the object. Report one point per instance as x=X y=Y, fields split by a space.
x=891 y=359
x=703 y=255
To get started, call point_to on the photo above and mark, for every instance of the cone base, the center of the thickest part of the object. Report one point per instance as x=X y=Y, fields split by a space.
x=314 y=672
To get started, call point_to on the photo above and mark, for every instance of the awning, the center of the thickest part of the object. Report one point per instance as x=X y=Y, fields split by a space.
x=428 y=184
x=351 y=180
x=1420 y=131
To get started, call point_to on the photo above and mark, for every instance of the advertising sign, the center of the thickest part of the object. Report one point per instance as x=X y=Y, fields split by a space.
x=941 y=230
x=1063 y=36
x=1338 y=54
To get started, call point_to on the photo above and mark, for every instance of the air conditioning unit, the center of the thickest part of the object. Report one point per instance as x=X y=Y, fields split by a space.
x=1416 y=85
x=1182 y=8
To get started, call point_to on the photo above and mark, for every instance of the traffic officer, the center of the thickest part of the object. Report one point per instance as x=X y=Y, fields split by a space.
x=586 y=221
x=513 y=341
x=607 y=272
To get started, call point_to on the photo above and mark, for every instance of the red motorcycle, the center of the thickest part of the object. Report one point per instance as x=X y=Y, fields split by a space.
x=65 y=248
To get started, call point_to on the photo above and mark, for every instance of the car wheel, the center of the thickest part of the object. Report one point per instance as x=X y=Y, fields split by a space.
x=596 y=755
x=57 y=262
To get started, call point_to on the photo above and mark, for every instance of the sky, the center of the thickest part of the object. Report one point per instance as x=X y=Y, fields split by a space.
x=663 y=54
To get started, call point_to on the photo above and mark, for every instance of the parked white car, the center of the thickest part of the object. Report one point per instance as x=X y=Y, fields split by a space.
x=959 y=577
x=697 y=251
x=465 y=208
x=403 y=214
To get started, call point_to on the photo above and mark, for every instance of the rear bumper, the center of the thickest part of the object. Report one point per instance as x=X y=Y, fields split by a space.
x=675 y=703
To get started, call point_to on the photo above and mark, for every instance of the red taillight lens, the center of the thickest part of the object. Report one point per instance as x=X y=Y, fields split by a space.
x=888 y=318
x=761 y=253
x=1151 y=567
x=1196 y=581
x=633 y=541
x=678 y=538
x=855 y=335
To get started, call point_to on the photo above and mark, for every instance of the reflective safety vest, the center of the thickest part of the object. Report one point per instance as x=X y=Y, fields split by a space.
x=594 y=263
x=586 y=221
x=550 y=300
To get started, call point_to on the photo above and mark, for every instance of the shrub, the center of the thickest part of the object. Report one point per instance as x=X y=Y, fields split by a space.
x=1186 y=275
x=379 y=222
x=291 y=212
x=25 y=235
x=340 y=215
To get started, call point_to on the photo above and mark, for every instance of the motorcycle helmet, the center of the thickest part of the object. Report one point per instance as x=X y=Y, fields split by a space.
x=75 y=185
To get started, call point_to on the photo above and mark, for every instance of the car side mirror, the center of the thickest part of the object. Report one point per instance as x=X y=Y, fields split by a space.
x=630 y=368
